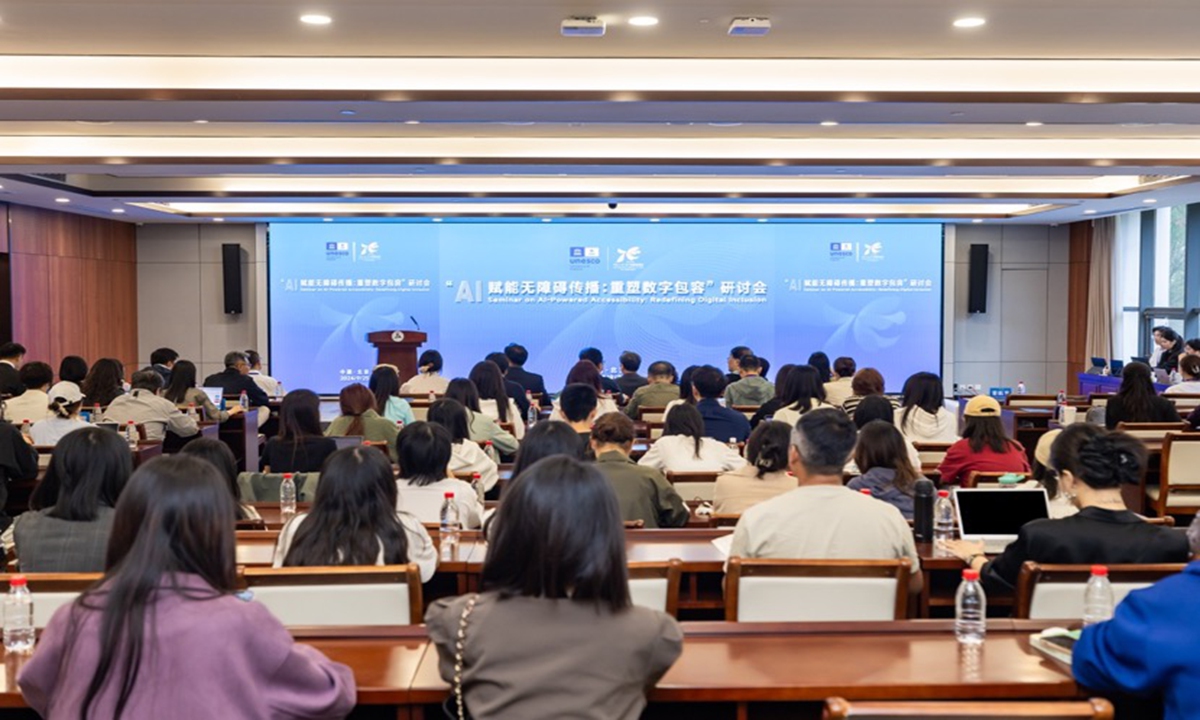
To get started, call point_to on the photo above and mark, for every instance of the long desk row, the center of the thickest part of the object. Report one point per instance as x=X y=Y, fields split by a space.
x=734 y=671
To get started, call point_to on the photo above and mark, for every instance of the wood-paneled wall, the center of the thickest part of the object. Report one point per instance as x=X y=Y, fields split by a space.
x=74 y=286
x=1077 y=299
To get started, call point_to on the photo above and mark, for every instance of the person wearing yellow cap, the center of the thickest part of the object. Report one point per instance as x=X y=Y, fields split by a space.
x=984 y=446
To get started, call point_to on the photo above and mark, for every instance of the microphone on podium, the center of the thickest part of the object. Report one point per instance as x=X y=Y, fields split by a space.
x=410 y=317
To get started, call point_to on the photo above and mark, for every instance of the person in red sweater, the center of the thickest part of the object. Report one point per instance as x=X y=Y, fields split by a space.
x=984 y=446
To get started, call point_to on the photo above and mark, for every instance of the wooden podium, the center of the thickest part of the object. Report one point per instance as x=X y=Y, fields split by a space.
x=399 y=348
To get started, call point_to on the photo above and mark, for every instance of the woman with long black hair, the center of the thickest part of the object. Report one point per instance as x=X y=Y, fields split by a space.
x=684 y=448
x=493 y=397
x=183 y=392
x=300 y=446
x=163 y=632
x=1136 y=400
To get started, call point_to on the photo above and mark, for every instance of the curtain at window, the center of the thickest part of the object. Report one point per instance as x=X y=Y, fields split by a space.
x=1100 y=290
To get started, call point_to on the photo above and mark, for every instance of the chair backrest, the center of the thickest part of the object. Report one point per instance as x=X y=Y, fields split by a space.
x=1031 y=401
x=979 y=477
x=52 y=591
x=654 y=429
x=1056 y=591
x=694 y=485
x=816 y=590
x=655 y=585
x=931 y=454
x=339 y=596
x=1178 y=486
x=748 y=410
x=264 y=487
x=1095 y=709
x=1099 y=399
x=1152 y=431
x=724 y=519
x=652 y=414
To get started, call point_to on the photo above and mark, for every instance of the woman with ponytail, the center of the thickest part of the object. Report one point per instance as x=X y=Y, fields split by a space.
x=66 y=400
x=1091 y=466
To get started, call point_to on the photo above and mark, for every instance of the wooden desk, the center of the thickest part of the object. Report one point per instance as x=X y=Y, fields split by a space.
x=240 y=433
x=701 y=587
x=172 y=443
x=942 y=574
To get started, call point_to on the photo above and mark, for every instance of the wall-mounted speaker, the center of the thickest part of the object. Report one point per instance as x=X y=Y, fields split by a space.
x=231 y=277
x=977 y=280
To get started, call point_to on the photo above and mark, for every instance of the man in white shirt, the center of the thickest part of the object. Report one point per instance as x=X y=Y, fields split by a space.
x=143 y=406
x=838 y=390
x=34 y=404
x=269 y=384
x=822 y=519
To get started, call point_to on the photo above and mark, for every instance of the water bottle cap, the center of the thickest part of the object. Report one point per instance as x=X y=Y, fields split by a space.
x=943 y=493
x=969 y=574
x=489 y=442
x=475 y=476
x=17 y=581
x=25 y=421
x=287 y=476
x=1099 y=571
x=448 y=495
x=865 y=491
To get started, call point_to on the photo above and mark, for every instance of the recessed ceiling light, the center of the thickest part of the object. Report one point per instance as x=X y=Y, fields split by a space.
x=62 y=200
x=326 y=219
x=829 y=123
x=1033 y=123
x=970 y=22
x=200 y=122
x=762 y=219
x=118 y=211
x=1089 y=212
x=654 y=220
x=348 y=112
x=315 y=19
x=871 y=220
x=545 y=219
x=218 y=219
x=976 y=220
x=437 y=219
x=1150 y=201
x=643 y=21
x=412 y=122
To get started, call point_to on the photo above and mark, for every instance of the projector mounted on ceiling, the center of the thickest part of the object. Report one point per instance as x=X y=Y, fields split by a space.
x=750 y=27
x=582 y=27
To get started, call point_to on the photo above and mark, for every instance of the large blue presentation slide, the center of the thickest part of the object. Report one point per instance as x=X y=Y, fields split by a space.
x=683 y=292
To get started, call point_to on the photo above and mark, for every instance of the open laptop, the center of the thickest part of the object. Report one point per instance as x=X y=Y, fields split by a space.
x=1118 y=367
x=995 y=515
x=217 y=395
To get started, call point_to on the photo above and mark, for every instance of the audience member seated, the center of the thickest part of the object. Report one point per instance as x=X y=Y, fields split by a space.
x=512 y=388
x=300 y=446
x=235 y=380
x=428 y=378
x=104 y=383
x=922 y=416
x=18 y=461
x=425 y=451
x=183 y=392
x=881 y=455
x=268 y=384
x=750 y=388
x=820 y=361
x=143 y=406
x=556 y=562
x=1168 y=346
x=68 y=529
x=984 y=446
x=162 y=361
x=33 y=404
x=72 y=369
x=764 y=477
x=596 y=358
x=733 y=363
x=1043 y=477
x=359 y=418
x=218 y=454
x=66 y=400
x=1191 y=347
x=171 y=558
x=1189 y=371
x=642 y=492
x=585 y=373
x=493 y=397
x=803 y=393
x=630 y=381
x=466 y=457
x=577 y=405
x=546 y=439
x=821 y=519
x=1137 y=401
x=720 y=423
x=1104 y=532
x=658 y=393
x=1148 y=648
x=354 y=520
x=768 y=409
x=532 y=382
x=865 y=383
x=840 y=387
x=483 y=428
x=877 y=407
x=385 y=386
x=683 y=447
x=686 y=393
x=11 y=355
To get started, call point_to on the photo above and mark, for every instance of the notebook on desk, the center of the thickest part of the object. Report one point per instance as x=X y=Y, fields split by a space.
x=993 y=516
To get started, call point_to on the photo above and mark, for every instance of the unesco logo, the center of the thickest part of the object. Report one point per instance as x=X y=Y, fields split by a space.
x=585 y=256
x=841 y=251
x=337 y=250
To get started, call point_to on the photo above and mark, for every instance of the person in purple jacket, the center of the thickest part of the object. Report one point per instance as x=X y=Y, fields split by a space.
x=162 y=635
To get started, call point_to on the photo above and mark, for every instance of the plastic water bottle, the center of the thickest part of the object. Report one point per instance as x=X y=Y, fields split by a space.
x=18 y=617
x=970 y=610
x=97 y=416
x=490 y=450
x=1020 y=387
x=432 y=397
x=1098 y=597
x=733 y=445
x=943 y=517
x=191 y=412
x=25 y=426
x=278 y=391
x=131 y=435
x=1060 y=405
x=399 y=425
x=244 y=400
x=532 y=416
x=450 y=527
x=477 y=483
x=287 y=495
